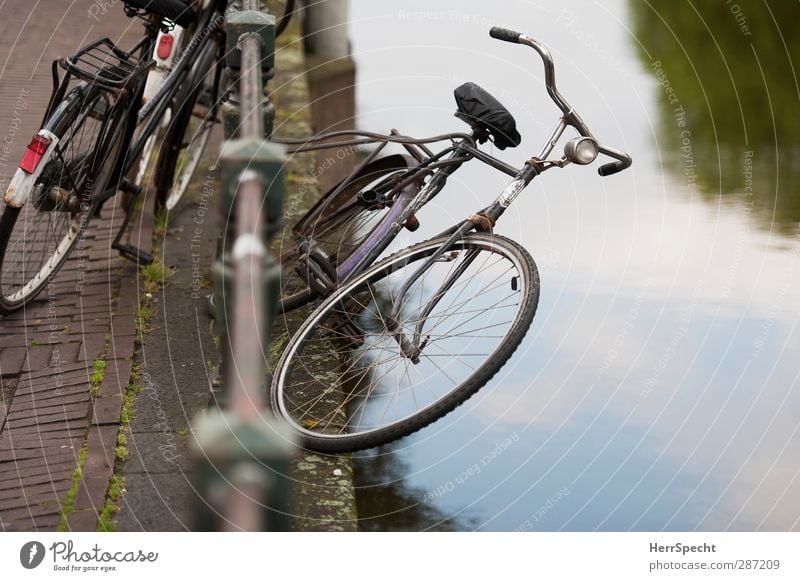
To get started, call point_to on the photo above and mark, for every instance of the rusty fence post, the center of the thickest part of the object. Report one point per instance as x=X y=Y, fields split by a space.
x=242 y=452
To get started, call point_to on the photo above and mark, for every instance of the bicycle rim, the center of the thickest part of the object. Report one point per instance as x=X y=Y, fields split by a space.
x=343 y=381
x=189 y=160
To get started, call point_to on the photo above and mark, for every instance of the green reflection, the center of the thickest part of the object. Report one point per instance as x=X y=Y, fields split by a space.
x=385 y=502
x=730 y=113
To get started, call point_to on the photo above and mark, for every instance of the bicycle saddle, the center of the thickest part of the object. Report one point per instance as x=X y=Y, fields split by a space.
x=486 y=115
x=178 y=11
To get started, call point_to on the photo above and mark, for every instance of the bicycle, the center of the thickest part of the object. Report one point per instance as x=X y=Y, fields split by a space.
x=100 y=121
x=416 y=334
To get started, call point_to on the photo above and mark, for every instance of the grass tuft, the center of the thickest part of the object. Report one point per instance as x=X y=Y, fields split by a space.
x=69 y=501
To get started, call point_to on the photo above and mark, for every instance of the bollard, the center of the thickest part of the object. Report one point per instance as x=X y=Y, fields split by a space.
x=264 y=158
x=242 y=24
x=241 y=462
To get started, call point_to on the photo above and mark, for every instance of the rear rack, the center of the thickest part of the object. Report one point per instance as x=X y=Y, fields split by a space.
x=103 y=64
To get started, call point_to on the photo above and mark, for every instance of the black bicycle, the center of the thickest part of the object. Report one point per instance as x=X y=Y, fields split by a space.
x=414 y=335
x=106 y=107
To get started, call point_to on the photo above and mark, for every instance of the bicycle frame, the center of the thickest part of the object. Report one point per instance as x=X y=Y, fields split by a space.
x=151 y=114
x=484 y=219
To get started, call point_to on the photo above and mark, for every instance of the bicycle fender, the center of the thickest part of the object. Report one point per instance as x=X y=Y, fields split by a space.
x=21 y=186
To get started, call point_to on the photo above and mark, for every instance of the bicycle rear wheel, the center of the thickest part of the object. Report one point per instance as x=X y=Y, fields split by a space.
x=36 y=239
x=343 y=382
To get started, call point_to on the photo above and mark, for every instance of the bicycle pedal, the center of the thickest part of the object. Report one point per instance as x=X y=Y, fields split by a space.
x=134 y=254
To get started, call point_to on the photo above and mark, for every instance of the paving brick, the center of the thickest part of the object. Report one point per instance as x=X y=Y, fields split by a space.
x=55 y=381
x=65 y=368
x=14 y=478
x=93 y=347
x=34 y=479
x=24 y=453
x=43 y=509
x=107 y=410
x=11 y=340
x=39 y=420
x=52 y=486
x=99 y=462
x=43 y=444
x=122 y=347
x=37 y=357
x=123 y=325
x=44 y=411
x=66 y=396
x=45 y=450
x=21 y=465
x=70 y=427
x=68 y=352
x=31 y=499
x=37 y=523
x=91 y=493
x=82 y=520
x=116 y=378
x=11 y=361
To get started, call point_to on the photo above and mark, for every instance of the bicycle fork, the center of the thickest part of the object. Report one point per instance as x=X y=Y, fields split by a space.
x=412 y=347
x=483 y=220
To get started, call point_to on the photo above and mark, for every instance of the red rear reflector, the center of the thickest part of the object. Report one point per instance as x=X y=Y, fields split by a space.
x=164 y=46
x=33 y=155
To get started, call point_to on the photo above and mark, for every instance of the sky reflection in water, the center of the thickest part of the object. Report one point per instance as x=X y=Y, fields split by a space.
x=658 y=386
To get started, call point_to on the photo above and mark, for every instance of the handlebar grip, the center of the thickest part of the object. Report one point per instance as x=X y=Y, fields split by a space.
x=504 y=34
x=612 y=168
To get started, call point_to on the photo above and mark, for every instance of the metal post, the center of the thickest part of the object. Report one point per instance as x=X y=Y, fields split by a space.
x=242 y=453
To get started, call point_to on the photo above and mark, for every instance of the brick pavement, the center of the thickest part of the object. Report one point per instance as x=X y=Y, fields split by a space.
x=47 y=350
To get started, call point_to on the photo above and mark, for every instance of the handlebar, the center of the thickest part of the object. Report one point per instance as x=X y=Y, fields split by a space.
x=571 y=117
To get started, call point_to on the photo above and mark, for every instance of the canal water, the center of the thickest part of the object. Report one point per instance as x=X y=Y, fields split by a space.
x=658 y=386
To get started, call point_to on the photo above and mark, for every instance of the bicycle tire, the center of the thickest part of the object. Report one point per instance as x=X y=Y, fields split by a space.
x=179 y=159
x=286 y=379
x=319 y=221
x=79 y=106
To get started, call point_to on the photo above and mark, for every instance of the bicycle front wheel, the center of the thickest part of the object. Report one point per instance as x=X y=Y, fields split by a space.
x=344 y=383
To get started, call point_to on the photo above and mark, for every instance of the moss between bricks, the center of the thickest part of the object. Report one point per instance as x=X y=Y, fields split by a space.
x=154 y=276
x=116 y=485
x=98 y=373
x=69 y=501
x=105 y=521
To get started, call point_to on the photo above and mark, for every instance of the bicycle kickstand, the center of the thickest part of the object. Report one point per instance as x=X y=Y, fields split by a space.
x=129 y=251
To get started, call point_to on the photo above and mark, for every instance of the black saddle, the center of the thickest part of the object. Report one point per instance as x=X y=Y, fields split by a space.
x=486 y=115
x=178 y=11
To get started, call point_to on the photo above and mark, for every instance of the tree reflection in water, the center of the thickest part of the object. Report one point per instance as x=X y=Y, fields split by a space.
x=387 y=503
x=729 y=128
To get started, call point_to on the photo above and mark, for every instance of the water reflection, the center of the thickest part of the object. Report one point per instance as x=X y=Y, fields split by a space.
x=387 y=502
x=728 y=111
x=658 y=387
